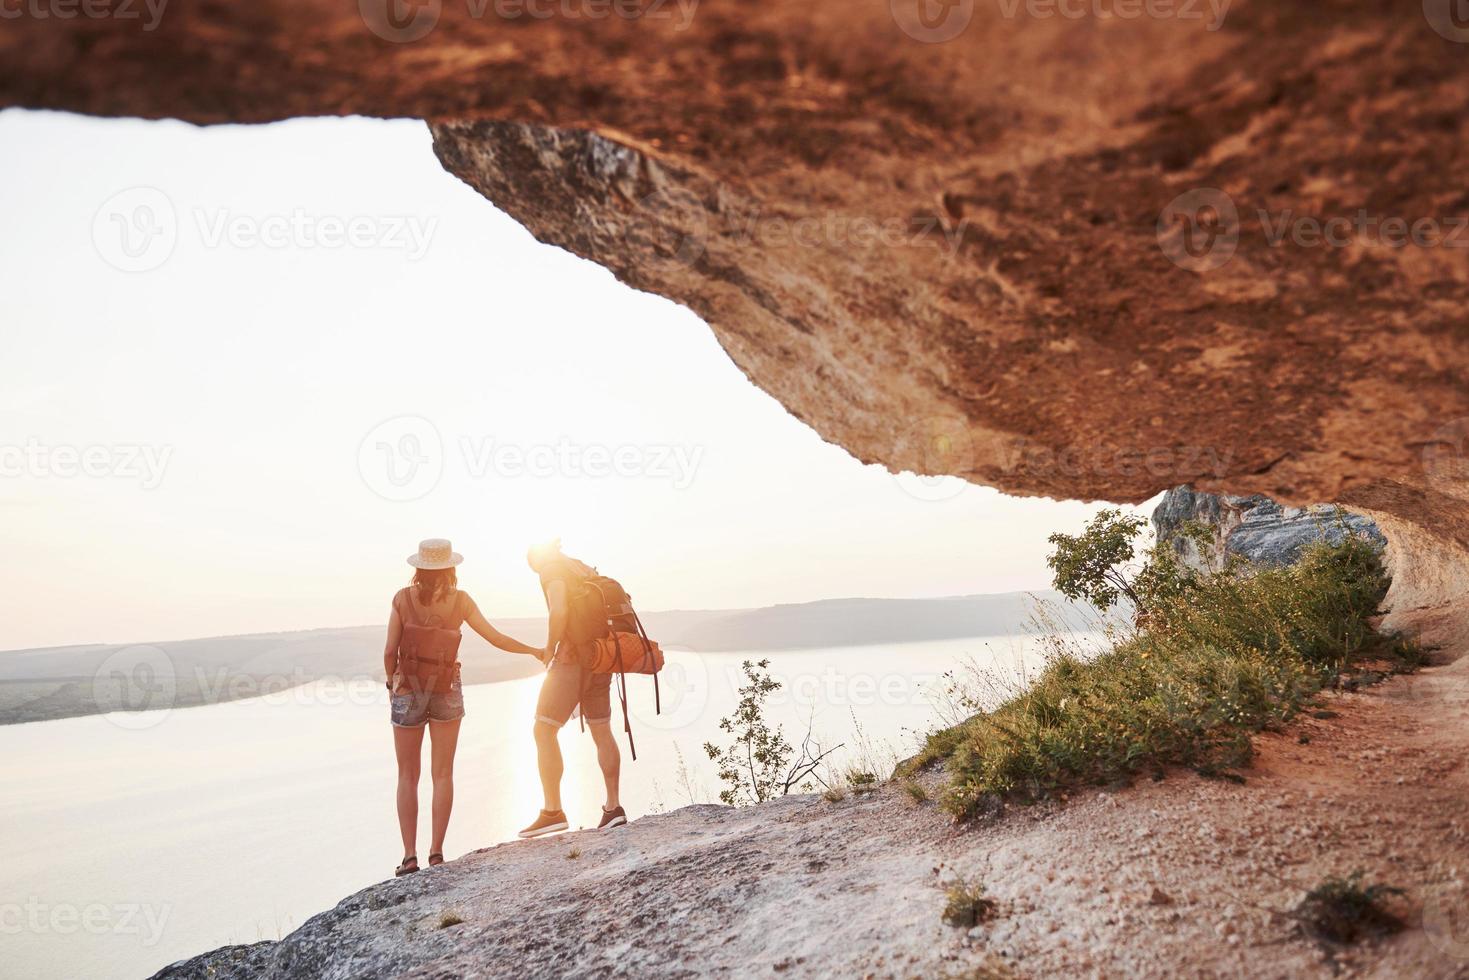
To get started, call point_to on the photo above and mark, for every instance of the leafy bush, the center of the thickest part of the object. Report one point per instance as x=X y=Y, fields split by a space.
x=757 y=765
x=1218 y=660
x=1093 y=566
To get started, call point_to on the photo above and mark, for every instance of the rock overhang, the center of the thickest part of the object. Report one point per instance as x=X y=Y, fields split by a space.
x=1087 y=256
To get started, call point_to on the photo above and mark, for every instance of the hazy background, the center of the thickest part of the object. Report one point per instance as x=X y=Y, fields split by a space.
x=256 y=406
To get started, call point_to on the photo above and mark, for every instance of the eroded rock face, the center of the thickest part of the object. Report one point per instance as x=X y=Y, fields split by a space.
x=1077 y=256
x=1429 y=595
x=1255 y=528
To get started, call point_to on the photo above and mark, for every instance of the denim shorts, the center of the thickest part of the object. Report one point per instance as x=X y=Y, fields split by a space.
x=414 y=709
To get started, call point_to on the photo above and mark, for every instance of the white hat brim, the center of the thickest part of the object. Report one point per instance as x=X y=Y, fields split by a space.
x=435 y=566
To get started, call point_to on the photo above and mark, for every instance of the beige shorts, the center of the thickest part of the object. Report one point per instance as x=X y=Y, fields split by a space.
x=567 y=687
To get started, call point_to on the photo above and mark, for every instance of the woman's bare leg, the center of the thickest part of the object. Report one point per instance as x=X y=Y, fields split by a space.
x=443 y=739
x=408 y=744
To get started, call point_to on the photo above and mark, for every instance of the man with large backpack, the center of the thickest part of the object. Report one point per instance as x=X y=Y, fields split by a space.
x=569 y=686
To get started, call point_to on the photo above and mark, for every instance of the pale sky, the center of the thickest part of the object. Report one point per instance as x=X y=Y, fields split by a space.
x=246 y=369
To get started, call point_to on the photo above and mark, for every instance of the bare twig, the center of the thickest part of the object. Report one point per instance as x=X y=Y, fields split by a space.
x=810 y=758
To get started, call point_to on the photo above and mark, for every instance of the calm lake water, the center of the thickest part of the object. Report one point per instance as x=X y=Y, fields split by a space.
x=137 y=840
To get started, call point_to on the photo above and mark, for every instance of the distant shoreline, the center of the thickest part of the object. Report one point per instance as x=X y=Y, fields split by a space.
x=52 y=683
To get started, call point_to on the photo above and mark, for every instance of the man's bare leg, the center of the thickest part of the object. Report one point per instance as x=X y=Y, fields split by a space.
x=548 y=759
x=608 y=757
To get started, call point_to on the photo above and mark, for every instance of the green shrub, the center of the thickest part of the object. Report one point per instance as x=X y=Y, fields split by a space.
x=758 y=763
x=967 y=905
x=1233 y=653
x=1342 y=910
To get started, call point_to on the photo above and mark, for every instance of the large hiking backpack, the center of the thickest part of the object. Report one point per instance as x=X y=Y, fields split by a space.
x=428 y=655
x=609 y=639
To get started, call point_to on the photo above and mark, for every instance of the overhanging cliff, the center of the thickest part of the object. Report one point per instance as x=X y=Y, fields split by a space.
x=1083 y=256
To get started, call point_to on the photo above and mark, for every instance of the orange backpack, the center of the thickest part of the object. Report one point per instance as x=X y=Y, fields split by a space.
x=428 y=655
x=609 y=639
x=623 y=653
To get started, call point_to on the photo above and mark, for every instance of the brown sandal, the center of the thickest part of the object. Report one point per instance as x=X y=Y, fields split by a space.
x=405 y=869
x=435 y=859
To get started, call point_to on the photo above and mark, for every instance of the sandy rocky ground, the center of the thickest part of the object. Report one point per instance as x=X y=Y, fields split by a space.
x=1179 y=878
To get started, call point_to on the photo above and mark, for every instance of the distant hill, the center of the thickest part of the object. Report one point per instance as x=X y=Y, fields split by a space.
x=858 y=622
x=61 y=682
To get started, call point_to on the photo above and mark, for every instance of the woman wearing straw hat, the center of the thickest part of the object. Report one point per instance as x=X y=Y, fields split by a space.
x=433 y=607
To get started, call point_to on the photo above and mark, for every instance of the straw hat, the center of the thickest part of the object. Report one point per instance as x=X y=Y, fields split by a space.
x=434 y=554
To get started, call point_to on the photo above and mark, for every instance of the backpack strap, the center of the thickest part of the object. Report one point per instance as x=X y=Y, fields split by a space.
x=405 y=618
x=648 y=652
x=620 y=669
x=420 y=619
